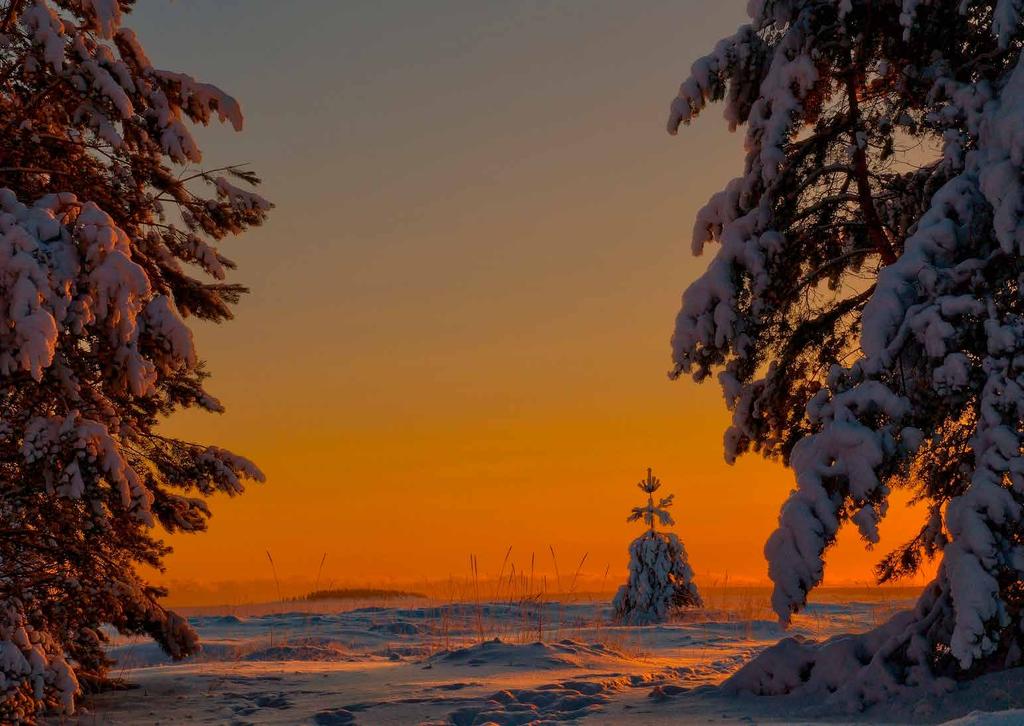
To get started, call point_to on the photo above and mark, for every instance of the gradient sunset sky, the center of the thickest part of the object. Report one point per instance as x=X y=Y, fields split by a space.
x=457 y=339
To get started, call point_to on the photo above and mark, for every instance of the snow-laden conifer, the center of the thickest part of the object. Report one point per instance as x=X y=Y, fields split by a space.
x=660 y=578
x=864 y=313
x=108 y=244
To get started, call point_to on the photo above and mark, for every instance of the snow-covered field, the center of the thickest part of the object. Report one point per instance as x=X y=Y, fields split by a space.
x=332 y=663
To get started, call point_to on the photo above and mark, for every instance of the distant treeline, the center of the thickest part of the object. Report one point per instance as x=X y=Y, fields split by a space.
x=359 y=593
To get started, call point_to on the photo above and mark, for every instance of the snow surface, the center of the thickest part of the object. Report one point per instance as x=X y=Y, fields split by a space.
x=426 y=663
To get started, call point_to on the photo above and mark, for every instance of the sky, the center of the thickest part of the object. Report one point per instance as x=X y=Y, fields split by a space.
x=457 y=336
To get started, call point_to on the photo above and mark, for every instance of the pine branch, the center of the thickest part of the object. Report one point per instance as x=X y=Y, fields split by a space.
x=13 y=11
x=865 y=199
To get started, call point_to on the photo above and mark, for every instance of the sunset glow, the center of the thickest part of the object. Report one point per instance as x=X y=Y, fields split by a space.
x=457 y=336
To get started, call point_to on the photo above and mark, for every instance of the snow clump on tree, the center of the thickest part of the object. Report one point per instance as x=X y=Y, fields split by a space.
x=660 y=578
x=107 y=245
x=864 y=314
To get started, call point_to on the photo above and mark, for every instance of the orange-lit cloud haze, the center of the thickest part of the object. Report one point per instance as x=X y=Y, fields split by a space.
x=457 y=339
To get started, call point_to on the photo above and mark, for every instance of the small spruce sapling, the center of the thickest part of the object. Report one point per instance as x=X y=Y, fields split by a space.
x=660 y=578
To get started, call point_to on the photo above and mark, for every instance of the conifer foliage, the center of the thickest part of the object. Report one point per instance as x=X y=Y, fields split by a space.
x=108 y=244
x=660 y=578
x=864 y=313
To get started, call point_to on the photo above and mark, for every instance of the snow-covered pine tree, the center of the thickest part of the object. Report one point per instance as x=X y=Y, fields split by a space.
x=105 y=238
x=864 y=313
x=660 y=578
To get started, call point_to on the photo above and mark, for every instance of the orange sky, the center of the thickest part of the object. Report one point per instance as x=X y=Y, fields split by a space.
x=457 y=339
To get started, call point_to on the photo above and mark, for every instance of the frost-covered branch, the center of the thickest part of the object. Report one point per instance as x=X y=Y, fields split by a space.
x=863 y=310
x=97 y=278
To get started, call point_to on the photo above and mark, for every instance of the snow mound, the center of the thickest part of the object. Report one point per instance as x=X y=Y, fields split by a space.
x=563 y=701
x=207 y=621
x=715 y=668
x=567 y=700
x=301 y=651
x=527 y=706
x=396 y=628
x=562 y=654
x=334 y=717
x=145 y=654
